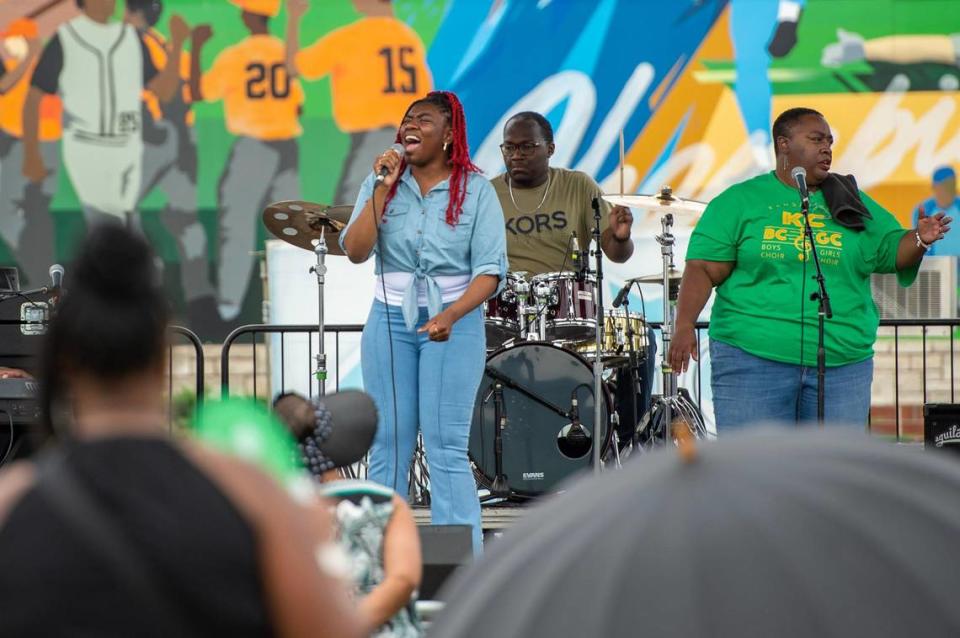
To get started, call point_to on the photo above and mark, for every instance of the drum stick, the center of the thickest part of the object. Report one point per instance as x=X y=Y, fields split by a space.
x=621 y=161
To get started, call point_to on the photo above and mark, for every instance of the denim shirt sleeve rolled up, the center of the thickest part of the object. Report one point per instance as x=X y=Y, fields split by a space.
x=415 y=237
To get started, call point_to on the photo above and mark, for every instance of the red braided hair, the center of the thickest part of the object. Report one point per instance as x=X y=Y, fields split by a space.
x=458 y=152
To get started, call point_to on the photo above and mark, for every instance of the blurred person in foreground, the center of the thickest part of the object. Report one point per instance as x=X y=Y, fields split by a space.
x=124 y=531
x=376 y=527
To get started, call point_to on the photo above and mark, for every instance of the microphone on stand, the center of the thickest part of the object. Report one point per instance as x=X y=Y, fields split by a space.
x=575 y=254
x=384 y=170
x=56 y=280
x=575 y=443
x=799 y=174
x=622 y=295
x=56 y=276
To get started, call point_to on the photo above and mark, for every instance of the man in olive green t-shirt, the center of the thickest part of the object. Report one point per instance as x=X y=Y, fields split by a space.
x=750 y=245
x=543 y=206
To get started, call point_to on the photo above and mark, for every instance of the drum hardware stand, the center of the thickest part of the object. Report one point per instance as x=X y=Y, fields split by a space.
x=824 y=311
x=615 y=440
x=543 y=296
x=634 y=367
x=598 y=359
x=419 y=476
x=320 y=250
x=499 y=488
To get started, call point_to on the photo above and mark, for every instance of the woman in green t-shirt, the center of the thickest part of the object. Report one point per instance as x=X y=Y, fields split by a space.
x=750 y=246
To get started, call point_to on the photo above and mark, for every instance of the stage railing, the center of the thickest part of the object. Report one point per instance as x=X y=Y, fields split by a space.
x=177 y=333
x=253 y=330
x=903 y=344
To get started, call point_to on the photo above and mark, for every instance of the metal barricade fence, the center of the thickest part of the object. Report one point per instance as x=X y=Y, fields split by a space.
x=181 y=333
x=914 y=363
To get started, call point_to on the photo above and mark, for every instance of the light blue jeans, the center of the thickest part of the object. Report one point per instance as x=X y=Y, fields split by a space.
x=436 y=385
x=749 y=390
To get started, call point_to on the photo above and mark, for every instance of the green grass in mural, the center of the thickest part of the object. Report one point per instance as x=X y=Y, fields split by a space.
x=801 y=72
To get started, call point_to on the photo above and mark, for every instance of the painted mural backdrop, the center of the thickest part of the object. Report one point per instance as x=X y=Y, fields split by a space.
x=692 y=84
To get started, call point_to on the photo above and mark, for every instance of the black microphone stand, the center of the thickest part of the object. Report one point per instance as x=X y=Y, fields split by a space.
x=824 y=311
x=597 y=360
x=499 y=486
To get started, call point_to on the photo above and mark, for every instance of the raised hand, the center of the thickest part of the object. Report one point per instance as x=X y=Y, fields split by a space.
x=201 y=33
x=932 y=228
x=179 y=30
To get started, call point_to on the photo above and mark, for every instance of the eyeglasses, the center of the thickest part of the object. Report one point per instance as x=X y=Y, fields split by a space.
x=524 y=150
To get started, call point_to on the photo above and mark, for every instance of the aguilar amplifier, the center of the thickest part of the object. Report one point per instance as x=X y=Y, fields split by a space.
x=941 y=426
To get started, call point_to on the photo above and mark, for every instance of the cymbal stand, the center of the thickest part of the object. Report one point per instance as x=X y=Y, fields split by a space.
x=320 y=270
x=671 y=401
x=666 y=241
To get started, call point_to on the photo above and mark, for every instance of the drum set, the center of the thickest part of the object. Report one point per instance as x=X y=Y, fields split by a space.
x=552 y=350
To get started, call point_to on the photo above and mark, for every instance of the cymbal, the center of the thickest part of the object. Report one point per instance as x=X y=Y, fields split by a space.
x=664 y=201
x=657 y=277
x=300 y=223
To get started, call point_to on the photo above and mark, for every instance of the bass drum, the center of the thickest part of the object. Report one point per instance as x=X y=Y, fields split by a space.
x=537 y=453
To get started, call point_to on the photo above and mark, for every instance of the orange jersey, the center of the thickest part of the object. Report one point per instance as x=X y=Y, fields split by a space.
x=377 y=66
x=260 y=99
x=157 y=48
x=11 y=108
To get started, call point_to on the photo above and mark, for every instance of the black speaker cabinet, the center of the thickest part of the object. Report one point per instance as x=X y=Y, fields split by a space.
x=941 y=426
x=445 y=548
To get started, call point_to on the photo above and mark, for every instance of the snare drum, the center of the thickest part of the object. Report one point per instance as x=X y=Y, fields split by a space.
x=571 y=313
x=615 y=350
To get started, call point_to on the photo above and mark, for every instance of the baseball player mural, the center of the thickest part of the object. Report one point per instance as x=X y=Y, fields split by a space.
x=25 y=222
x=262 y=106
x=170 y=164
x=100 y=67
x=377 y=65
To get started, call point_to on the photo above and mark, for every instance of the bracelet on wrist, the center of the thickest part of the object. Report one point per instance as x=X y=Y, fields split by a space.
x=920 y=242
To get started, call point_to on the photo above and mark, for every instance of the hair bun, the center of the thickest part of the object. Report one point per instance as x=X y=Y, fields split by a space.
x=114 y=262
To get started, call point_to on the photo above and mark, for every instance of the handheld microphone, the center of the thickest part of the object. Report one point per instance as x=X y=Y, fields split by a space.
x=56 y=276
x=622 y=295
x=384 y=171
x=799 y=174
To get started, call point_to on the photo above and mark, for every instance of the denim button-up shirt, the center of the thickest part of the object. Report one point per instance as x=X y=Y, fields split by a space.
x=415 y=237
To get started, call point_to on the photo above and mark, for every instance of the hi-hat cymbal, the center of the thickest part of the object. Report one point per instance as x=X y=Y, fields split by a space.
x=664 y=202
x=657 y=277
x=301 y=223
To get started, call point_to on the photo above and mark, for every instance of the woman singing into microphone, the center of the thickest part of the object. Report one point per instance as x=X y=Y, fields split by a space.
x=437 y=228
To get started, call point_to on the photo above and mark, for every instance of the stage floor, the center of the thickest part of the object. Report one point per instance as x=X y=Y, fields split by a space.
x=495 y=517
